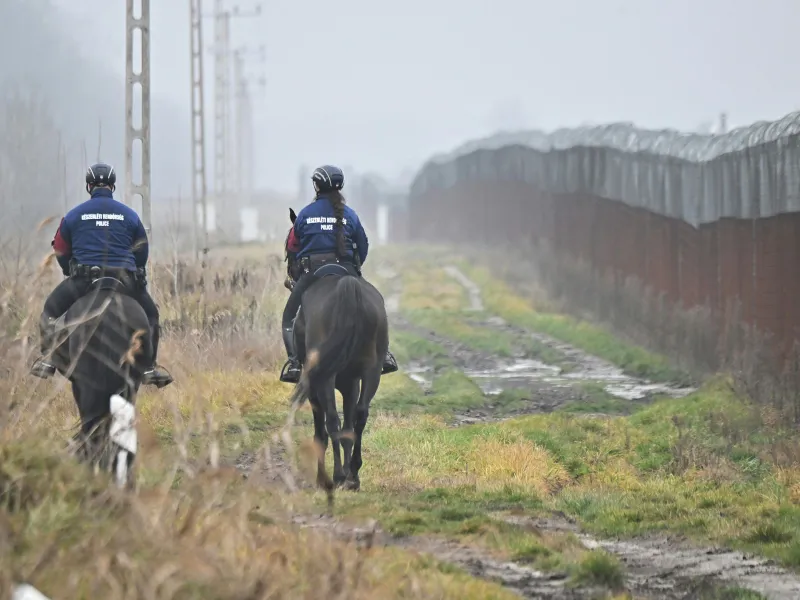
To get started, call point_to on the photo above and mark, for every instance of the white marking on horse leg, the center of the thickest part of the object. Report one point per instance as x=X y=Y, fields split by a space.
x=123 y=434
x=121 y=471
x=27 y=592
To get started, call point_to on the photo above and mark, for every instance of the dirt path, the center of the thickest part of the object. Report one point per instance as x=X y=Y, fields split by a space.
x=656 y=566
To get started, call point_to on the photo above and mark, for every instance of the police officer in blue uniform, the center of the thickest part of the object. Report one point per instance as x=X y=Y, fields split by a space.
x=315 y=235
x=104 y=233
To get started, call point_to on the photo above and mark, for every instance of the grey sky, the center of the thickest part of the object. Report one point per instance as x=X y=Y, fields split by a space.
x=383 y=85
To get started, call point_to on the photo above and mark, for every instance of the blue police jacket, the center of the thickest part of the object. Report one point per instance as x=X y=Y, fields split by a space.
x=315 y=228
x=102 y=232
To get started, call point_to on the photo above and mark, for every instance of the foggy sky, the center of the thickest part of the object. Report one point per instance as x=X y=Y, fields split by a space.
x=384 y=85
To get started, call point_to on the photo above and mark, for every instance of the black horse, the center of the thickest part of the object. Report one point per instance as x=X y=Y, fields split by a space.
x=102 y=344
x=341 y=334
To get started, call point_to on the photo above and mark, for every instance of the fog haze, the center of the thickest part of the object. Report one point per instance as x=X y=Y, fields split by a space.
x=382 y=86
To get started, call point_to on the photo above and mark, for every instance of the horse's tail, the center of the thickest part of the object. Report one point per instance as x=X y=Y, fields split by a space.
x=353 y=325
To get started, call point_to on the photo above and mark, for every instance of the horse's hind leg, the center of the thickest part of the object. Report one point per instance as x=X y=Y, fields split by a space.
x=327 y=399
x=350 y=399
x=369 y=386
x=321 y=438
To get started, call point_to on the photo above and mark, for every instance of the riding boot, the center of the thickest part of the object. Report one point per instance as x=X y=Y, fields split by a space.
x=40 y=367
x=389 y=363
x=156 y=375
x=292 y=368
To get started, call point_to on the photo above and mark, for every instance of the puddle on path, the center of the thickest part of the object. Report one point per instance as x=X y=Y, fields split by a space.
x=521 y=373
x=420 y=373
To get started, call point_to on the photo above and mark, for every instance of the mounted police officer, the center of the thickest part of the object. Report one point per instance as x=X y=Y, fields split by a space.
x=101 y=236
x=326 y=231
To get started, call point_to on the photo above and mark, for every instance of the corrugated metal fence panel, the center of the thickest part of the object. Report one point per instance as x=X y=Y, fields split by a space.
x=705 y=220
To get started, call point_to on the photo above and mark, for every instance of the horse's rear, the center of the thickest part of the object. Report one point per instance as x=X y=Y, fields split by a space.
x=108 y=350
x=345 y=334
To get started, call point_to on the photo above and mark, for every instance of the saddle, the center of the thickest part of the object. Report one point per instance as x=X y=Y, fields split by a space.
x=108 y=283
x=331 y=269
x=322 y=265
x=103 y=283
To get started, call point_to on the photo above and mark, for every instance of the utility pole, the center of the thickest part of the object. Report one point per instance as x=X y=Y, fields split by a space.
x=222 y=96
x=303 y=177
x=199 y=182
x=244 y=146
x=141 y=133
x=723 y=123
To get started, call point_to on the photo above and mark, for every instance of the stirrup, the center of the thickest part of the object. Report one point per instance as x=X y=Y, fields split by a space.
x=389 y=364
x=290 y=373
x=42 y=369
x=157 y=376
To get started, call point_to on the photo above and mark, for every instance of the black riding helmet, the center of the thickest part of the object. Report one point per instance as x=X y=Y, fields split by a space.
x=100 y=174
x=327 y=178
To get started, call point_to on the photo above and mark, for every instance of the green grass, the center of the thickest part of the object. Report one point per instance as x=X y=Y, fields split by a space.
x=409 y=347
x=698 y=466
x=453 y=325
x=599 y=568
x=595 y=400
x=714 y=591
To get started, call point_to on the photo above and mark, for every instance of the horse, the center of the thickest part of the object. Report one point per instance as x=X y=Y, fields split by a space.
x=341 y=335
x=102 y=345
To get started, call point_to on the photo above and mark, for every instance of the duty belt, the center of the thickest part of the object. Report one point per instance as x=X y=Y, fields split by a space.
x=314 y=261
x=93 y=272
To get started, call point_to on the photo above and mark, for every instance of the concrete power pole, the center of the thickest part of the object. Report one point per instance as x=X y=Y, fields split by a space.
x=223 y=177
x=199 y=182
x=244 y=147
x=142 y=133
x=723 y=122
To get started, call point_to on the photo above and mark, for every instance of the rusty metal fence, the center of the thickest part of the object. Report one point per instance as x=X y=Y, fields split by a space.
x=703 y=219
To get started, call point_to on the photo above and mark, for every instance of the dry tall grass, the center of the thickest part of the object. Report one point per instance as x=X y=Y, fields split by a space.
x=195 y=528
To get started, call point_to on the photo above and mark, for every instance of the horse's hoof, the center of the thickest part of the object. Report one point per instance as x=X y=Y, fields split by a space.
x=352 y=485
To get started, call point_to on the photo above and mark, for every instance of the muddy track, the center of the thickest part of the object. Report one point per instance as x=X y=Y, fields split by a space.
x=656 y=567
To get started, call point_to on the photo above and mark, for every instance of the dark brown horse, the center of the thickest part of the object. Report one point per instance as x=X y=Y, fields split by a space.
x=341 y=335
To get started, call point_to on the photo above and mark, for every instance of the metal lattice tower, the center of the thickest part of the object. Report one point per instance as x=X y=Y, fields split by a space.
x=240 y=89
x=142 y=133
x=199 y=181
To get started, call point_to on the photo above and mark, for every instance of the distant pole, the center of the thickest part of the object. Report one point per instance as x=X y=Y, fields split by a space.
x=223 y=150
x=199 y=183
x=221 y=95
x=142 y=133
x=243 y=184
x=302 y=189
x=723 y=123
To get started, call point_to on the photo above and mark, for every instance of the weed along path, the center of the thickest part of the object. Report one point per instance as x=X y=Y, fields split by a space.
x=510 y=454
